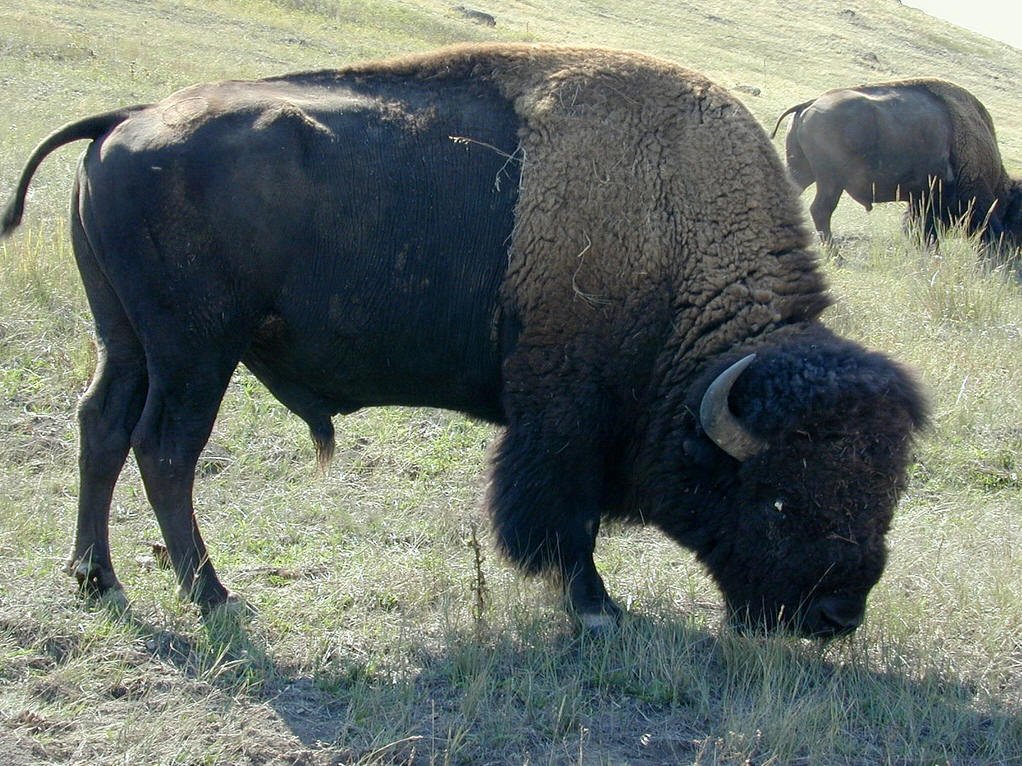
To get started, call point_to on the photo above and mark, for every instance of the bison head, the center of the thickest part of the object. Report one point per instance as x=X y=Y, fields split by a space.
x=802 y=458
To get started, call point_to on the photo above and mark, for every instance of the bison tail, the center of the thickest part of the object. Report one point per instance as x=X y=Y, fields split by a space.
x=91 y=128
x=791 y=110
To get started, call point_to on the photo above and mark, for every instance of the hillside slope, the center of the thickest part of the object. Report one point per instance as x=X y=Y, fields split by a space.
x=60 y=61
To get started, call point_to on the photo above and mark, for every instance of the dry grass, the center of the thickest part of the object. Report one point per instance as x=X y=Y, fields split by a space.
x=385 y=630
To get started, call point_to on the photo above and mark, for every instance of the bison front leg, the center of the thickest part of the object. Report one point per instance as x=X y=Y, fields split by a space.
x=921 y=222
x=586 y=595
x=545 y=503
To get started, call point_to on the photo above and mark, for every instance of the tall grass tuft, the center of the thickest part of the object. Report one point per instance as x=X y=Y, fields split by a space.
x=39 y=267
x=963 y=282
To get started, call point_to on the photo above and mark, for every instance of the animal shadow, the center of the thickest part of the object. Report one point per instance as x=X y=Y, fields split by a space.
x=659 y=689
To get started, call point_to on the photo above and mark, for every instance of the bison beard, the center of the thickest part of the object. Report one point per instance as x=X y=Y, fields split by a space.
x=577 y=244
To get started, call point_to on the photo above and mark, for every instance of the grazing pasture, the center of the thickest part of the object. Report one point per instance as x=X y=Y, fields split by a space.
x=386 y=630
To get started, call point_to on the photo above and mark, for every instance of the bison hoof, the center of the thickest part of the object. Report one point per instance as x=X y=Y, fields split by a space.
x=93 y=579
x=598 y=624
x=600 y=621
x=205 y=591
x=233 y=606
x=228 y=615
x=115 y=600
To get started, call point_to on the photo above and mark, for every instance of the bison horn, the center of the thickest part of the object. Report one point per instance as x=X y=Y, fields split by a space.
x=719 y=423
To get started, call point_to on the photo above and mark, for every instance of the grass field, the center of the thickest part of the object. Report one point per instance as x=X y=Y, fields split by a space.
x=386 y=629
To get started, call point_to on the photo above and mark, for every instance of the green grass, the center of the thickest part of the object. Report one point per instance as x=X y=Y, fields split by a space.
x=384 y=629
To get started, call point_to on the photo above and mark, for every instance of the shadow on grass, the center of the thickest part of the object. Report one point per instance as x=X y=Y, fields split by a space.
x=659 y=690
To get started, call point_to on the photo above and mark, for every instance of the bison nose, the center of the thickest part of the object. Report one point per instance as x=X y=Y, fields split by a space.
x=831 y=616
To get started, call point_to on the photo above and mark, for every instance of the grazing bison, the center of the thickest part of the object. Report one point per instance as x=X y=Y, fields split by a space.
x=924 y=141
x=592 y=248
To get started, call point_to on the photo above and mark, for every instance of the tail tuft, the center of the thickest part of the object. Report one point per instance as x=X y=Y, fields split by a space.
x=11 y=217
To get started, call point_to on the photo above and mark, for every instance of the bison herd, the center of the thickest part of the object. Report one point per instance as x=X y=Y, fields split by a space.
x=598 y=251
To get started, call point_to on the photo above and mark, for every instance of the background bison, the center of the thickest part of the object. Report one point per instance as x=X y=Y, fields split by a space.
x=595 y=249
x=924 y=141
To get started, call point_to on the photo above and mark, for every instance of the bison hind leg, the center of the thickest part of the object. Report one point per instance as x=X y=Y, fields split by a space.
x=107 y=414
x=185 y=389
x=823 y=205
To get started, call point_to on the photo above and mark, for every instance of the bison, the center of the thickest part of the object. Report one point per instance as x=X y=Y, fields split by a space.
x=925 y=141
x=594 y=249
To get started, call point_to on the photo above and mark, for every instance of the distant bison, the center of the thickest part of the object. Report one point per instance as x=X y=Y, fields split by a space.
x=595 y=249
x=924 y=141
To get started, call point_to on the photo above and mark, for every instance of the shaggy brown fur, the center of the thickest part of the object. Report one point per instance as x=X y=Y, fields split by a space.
x=618 y=196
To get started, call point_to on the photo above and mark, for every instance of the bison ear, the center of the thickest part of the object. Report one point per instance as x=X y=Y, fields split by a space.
x=720 y=424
